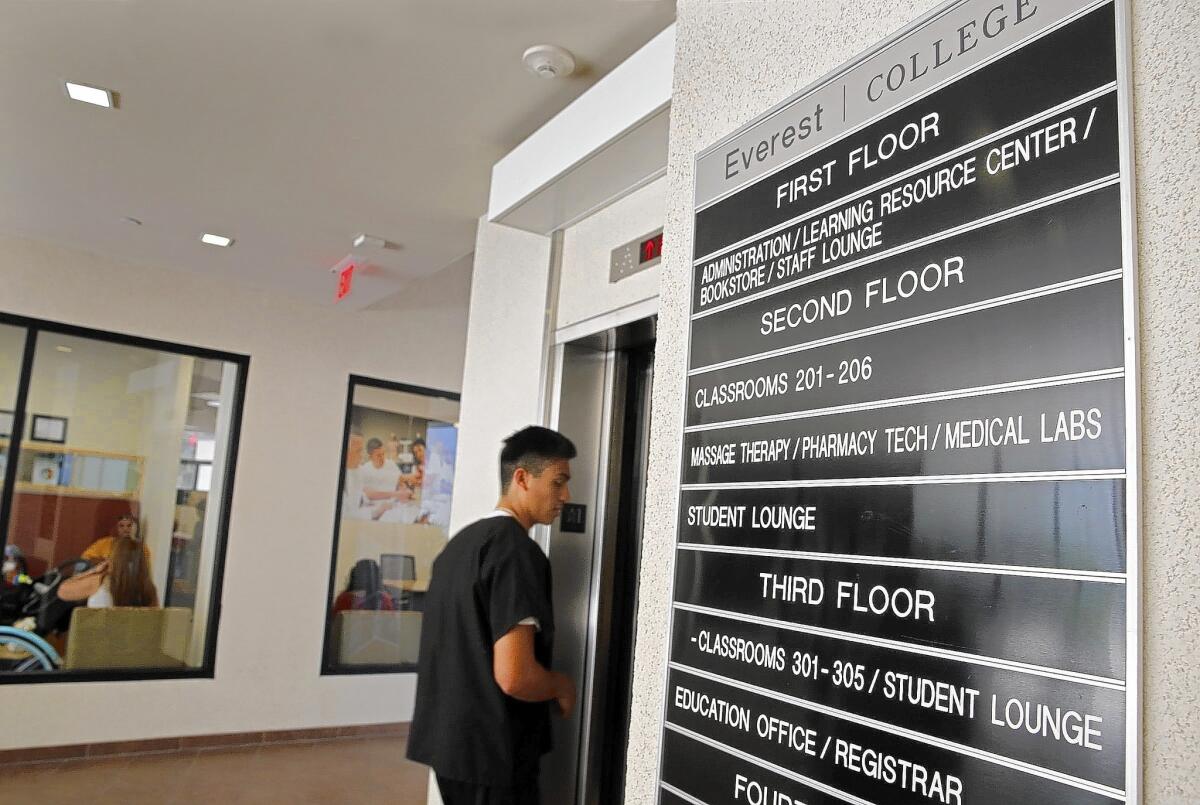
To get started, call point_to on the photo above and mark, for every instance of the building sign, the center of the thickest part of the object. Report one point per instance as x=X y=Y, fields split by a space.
x=906 y=568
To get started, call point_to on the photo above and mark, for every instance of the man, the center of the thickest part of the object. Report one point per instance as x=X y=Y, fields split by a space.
x=484 y=685
x=126 y=528
x=416 y=476
x=352 y=495
x=380 y=478
x=355 y=505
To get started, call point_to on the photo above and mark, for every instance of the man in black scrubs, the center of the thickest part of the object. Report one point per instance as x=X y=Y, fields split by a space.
x=484 y=684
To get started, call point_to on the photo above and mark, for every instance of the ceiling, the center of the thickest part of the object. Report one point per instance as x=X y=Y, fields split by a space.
x=290 y=126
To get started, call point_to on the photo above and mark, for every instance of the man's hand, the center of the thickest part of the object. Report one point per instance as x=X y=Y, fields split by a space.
x=520 y=675
x=565 y=697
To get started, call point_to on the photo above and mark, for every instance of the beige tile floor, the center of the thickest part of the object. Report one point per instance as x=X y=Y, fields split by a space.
x=370 y=771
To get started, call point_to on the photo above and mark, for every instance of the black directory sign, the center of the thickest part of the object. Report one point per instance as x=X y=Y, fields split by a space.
x=906 y=568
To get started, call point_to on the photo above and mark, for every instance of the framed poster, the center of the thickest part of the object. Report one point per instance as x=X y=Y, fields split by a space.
x=906 y=566
x=49 y=429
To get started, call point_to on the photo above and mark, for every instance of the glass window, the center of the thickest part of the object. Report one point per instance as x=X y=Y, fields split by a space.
x=116 y=513
x=12 y=348
x=397 y=478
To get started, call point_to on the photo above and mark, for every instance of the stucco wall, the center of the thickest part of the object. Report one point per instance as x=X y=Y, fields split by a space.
x=503 y=367
x=506 y=336
x=1166 y=69
x=734 y=61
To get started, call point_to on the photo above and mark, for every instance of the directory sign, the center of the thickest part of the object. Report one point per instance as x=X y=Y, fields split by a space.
x=906 y=564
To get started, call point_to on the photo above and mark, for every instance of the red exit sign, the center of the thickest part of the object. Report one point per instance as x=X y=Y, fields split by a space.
x=345 y=280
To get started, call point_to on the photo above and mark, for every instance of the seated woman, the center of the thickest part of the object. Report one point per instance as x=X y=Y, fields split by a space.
x=365 y=590
x=126 y=527
x=127 y=582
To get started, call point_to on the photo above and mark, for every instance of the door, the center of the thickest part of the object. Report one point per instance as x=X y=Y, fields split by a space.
x=603 y=405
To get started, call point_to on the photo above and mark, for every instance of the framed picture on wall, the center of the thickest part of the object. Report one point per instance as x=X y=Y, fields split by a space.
x=49 y=428
x=47 y=470
x=6 y=424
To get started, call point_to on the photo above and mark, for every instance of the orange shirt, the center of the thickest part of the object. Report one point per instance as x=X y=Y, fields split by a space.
x=102 y=549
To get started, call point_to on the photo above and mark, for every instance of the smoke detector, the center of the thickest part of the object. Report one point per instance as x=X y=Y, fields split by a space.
x=549 y=61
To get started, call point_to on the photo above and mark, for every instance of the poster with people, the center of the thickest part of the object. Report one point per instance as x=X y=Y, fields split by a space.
x=397 y=487
x=399 y=468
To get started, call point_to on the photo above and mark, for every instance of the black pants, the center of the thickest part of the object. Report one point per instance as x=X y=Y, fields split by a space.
x=459 y=793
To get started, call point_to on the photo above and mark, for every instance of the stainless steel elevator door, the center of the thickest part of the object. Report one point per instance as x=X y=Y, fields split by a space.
x=602 y=406
x=583 y=405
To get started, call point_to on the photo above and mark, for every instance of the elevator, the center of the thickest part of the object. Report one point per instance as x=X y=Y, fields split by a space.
x=601 y=401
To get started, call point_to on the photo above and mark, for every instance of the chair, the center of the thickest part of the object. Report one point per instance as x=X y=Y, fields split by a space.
x=128 y=637
x=398 y=566
x=376 y=637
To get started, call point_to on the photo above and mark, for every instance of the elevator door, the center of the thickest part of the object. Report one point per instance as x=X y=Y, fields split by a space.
x=603 y=405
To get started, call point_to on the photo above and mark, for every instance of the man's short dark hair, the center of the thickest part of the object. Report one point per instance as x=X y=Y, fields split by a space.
x=418 y=442
x=532 y=449
x=373 y=444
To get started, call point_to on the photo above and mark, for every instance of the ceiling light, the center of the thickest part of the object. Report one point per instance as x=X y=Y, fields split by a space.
x=61 y=348
x=369 y=240
x=93 y=95
x=216 y=240
x=549 y=61
x=214 y=403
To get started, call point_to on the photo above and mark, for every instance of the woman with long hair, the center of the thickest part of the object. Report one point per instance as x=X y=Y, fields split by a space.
x=126 y=570
x=365 y=590
x=129 y=580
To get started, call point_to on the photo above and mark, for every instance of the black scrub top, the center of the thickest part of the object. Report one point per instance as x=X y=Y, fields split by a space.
x=489 y=578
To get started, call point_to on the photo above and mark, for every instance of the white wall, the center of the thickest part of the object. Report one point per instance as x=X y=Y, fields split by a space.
x=734 y=61
x=280 y=531
x=585 y=291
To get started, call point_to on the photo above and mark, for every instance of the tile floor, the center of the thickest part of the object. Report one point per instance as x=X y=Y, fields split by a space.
x=360 y=771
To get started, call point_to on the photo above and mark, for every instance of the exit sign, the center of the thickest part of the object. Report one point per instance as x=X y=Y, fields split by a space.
x=345 y=279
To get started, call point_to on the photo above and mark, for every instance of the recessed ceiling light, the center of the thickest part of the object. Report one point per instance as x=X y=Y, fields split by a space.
x=369 y=240
x=216 y=240
x=93 y=95
x=362 y=240
x=214 y=403
x=61 y=348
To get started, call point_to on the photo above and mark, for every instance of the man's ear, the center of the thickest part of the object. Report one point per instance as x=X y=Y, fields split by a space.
x=520 y=478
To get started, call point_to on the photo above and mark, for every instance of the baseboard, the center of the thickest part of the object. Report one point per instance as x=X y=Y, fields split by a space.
x=189 y=743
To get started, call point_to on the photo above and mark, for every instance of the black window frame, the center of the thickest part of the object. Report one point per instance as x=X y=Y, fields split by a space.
x=327 y=667
x=33 y=327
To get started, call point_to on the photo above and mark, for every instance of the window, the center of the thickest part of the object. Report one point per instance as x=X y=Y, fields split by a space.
x=117 y=456
x=395 y=484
